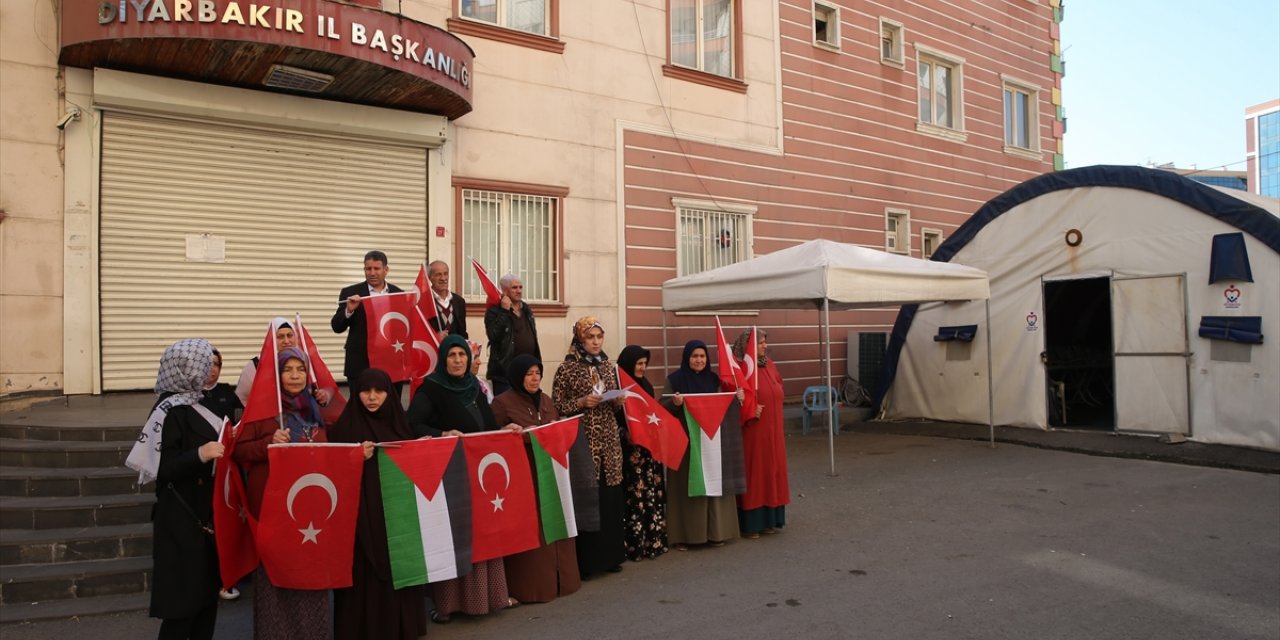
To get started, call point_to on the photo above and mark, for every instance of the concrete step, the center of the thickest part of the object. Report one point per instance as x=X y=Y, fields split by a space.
x=36 y=482
x=14 y=612
x=42 y=546
x=85 y=433
x=25 y=583
x=75 y=512
x=59 y=454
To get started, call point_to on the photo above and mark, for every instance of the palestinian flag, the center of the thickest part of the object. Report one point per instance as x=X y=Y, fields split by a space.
x=551 y=444
x=715 y=445
x=426 y=502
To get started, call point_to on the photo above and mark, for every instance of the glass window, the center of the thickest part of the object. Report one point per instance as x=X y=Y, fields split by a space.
x=938 y=88
x=826 y=24
x=521 y=15
x=1269 y=154
x=711 y=239
x=890 y=42
x=1017 y=118
x=512 y=233
x=897 y=231
x=702 y=34
x=930 y=239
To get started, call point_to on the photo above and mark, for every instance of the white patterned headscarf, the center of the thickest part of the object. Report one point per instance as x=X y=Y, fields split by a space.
x=184 y=368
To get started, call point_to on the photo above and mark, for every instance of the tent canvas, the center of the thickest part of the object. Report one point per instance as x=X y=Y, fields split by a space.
x=822 y=274
x=1144 y=246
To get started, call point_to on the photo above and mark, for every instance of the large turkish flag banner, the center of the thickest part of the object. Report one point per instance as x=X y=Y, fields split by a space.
x=504 y=511
x=307 y=527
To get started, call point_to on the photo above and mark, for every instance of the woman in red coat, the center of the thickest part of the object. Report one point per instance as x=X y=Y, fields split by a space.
x=763 y=508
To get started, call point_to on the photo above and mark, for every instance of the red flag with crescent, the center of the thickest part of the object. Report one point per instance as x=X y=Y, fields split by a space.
x=422 y=297
x=492 y=294
x=236 y=554
x=307 y=526
x=426 y=349
x=320 y=375
x=750 y=376
x=504 y=510
x=264 y=396
x=651 y=426
x=731 y=378
x=390 y=333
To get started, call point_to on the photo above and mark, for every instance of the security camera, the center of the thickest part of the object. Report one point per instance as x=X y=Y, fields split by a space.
x=73 y=114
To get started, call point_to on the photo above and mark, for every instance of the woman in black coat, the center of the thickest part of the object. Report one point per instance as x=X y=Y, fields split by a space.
x=185 y=588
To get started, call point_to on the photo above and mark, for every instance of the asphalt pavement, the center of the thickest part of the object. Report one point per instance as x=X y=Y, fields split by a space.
x=927 y=537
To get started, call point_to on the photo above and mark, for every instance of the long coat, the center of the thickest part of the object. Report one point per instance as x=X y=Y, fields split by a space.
x=185 y=558
x=357 y=346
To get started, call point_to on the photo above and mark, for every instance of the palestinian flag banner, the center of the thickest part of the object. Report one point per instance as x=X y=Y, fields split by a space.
x=716 y=466
x=426 y=503
x=551 y=444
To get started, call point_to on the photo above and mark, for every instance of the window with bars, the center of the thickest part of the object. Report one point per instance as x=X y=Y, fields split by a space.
x=711 y=238
x=703 y=35
x=897 y=231
x=521 y=15
x=512 y=233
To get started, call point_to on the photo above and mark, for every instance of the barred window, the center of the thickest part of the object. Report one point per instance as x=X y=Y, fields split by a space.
x=711 y=236
x=512 y=233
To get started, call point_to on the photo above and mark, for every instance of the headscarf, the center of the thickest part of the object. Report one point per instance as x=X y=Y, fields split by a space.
x=184 y=367
x=517 y=370
x=686 y=380
x=740 y=346
x=627 y=360
x=466 y=386
x=357 y=424
x=301 y=411
x=577 y=351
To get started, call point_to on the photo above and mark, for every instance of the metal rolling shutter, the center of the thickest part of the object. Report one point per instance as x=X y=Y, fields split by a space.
x=297 y=211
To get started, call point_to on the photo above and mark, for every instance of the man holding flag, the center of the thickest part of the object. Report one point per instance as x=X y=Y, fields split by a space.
x=350 y=316
x=511 y=330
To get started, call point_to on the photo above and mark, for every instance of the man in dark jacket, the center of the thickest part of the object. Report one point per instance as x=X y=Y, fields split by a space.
x=511 y=330
x=451 y=309
x=350 y=313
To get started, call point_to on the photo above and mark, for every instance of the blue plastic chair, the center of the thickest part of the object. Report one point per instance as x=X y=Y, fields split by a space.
x=819 y=399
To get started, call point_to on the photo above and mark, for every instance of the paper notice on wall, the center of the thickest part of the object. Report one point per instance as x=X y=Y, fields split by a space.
x=202 y=247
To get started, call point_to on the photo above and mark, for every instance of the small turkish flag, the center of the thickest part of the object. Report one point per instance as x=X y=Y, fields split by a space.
x=390 y=341
x=320 y=376
x=307 y=527
x=493 y=295
x=423 y=299
x=651 y=426
x=750 y=377
x=726 y=365
x=426 y=350
x=504 y=511
x=236 y=554
x=264 y=396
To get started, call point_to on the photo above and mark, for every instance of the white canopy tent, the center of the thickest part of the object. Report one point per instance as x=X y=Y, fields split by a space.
x=825 y=275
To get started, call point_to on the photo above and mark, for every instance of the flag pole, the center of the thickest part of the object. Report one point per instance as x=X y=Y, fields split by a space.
x=831 y=401
x=275 y=360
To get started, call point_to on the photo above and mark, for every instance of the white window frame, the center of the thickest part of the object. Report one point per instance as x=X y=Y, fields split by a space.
x=1032 y=91
x=899 y=239
x=897 y=57
x=926 y=236
x=685 y=206
x=700 y=44
x=502 y=18
x=956 y=131
x=832 y=18
x=548 y=280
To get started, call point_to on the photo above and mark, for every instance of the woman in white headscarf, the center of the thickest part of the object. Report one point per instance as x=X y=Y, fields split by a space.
x=185 y=589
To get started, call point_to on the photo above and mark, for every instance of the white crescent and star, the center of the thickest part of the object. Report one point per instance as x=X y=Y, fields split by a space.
x=398 y=317
x=431 y=355
x=494 y=458
x=312 y=480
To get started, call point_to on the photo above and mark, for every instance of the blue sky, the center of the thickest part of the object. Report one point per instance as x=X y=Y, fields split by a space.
x=1169 y=81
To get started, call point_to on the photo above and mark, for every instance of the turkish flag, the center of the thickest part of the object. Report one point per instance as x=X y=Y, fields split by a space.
x=307 y=526
x=750 y=377
x=426 y=349
x=390 y=342
x=264 y=396
x=422 y=297
x=504 y=511
x=651 y=426
x=493 y=295
x=321 y=377
x=726 y=365
x=236 y=554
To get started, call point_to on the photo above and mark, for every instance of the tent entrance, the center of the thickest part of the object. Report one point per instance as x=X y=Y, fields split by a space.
x=1152 y=373
x=1079 y=358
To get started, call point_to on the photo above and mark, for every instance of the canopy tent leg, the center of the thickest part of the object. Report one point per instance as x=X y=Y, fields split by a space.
x=991 y=404
x=831 y=401
x=666 y=369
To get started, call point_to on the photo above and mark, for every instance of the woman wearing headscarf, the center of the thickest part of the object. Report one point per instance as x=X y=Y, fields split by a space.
x=283 y=613
x=702 y=519
x=450 y=403
x=542 y=574
x=580 y=383
x=185 y=588
x=645 y=527
x=286 y=337
x=372 y=607
x=763 y=508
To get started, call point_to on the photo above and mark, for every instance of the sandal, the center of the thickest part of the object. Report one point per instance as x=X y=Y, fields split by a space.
x=680 y=546
x=512 y=603
x=769 y=531
x=439 y=618
x=716 y=543
x=751 y=536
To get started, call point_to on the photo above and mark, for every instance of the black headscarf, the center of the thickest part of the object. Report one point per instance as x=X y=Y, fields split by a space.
x=466 y=386
x=357 y=424
x=627 y=360
x=517 y=370
x=686 y=380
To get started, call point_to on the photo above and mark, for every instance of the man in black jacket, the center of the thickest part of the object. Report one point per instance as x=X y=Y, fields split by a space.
x=511 y=330
x=451 y=309
x=350 y=313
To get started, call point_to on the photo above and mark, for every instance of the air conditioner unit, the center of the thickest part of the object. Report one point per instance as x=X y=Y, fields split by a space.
x=865 y=360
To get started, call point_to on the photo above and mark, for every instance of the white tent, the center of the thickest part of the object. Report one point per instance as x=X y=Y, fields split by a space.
x=824 y=275
x=1122 y=299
